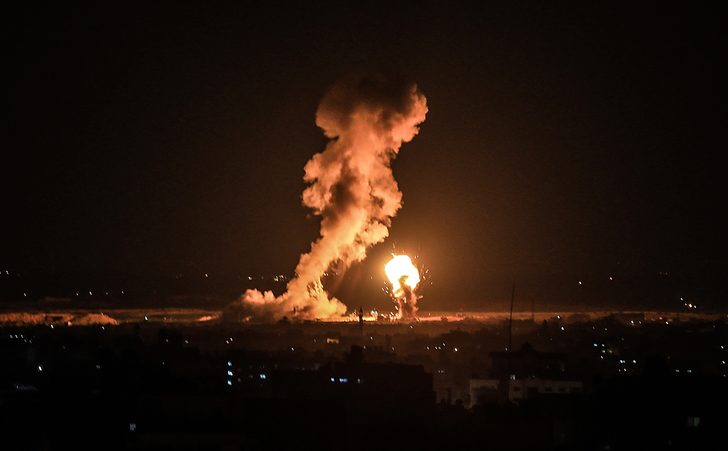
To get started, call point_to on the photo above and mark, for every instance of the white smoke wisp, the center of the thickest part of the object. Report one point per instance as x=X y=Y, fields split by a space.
x=351 y=187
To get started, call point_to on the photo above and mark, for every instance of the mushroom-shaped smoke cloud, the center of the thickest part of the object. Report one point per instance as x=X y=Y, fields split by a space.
x=351 y=187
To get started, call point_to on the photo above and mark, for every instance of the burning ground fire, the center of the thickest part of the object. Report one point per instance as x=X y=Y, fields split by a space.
x=404 y=277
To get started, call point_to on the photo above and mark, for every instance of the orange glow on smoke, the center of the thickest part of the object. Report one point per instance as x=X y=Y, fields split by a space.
x=399 y=267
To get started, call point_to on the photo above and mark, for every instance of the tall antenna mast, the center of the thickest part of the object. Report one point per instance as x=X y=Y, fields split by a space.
x=510 y=319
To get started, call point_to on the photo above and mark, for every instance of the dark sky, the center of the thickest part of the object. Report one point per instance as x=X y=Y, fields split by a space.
x=560 y=140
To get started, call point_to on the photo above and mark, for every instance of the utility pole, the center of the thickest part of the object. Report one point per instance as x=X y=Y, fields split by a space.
x=361 y=321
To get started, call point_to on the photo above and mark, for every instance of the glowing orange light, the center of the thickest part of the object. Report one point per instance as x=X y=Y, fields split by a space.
x=400 y=269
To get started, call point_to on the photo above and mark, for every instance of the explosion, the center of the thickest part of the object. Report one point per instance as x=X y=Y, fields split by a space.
x=404 y=277
x=352 y=189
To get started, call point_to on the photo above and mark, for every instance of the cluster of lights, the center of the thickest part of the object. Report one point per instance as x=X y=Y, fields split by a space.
x=275 y=277
x=91 y=293
x=21 y=337
x=689 y=305
x=343 y=380
x=624 y=362
x=229 y=373
x=603 y=350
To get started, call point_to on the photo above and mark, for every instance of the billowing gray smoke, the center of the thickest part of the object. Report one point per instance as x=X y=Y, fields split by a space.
x=351 y=187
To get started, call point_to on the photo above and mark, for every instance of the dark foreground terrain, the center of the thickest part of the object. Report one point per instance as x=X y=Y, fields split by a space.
x=624 y=381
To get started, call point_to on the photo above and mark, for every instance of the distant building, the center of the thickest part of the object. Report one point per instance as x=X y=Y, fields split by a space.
x=521 y=389
x=527 y=362
x=484 y=391
x=524 y=374
x=491 y=391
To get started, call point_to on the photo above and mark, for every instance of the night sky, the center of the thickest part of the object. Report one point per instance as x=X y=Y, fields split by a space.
x=560 y=142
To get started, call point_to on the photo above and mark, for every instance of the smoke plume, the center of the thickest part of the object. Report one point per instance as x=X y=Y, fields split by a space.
x=407 y=301
x=351 y=187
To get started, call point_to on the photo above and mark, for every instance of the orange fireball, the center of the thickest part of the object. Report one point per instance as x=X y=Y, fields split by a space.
x=401 y=270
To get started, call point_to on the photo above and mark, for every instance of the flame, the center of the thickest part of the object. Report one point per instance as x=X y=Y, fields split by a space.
x=350 y=185
x=400 y=269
